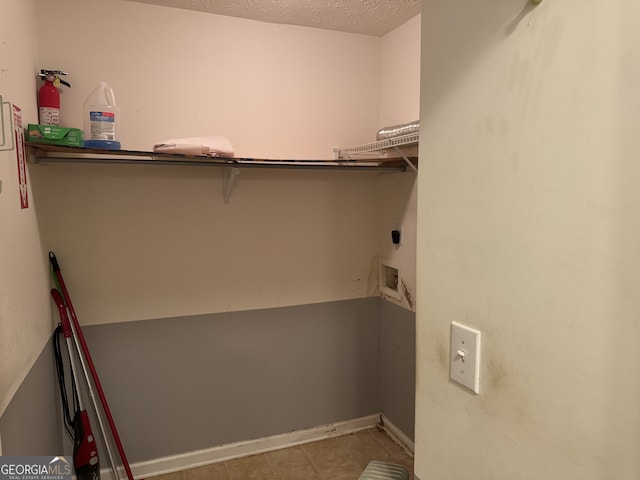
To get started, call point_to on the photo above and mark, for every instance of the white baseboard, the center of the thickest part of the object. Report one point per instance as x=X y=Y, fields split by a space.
x=221 y=453
x=198 y=458
x=396 y=434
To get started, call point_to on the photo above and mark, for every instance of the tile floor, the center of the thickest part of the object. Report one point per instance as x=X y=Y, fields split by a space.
x=338 y=458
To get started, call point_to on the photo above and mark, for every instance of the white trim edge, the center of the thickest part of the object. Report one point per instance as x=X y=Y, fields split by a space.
x=397 y=435
x=173 y=463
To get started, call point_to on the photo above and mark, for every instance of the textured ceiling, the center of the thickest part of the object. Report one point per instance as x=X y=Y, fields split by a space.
x=369 y=17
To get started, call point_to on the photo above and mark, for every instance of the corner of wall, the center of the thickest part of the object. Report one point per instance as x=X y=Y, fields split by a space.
x=25 y=314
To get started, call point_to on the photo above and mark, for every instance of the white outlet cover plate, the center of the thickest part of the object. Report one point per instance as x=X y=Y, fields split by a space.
x=465 y=356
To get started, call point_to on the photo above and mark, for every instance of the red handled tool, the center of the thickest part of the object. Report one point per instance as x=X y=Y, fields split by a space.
x=83 y=352
x=85 y=451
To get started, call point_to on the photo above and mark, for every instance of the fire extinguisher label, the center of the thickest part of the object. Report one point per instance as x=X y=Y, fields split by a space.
x=103 y=125
x=49 y=116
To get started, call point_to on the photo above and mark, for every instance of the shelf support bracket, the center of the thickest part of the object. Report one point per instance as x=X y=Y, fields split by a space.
x=228 y=181
x=406 y=160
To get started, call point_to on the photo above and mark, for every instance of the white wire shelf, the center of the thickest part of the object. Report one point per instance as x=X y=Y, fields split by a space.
x=40 y=153
x=373 y=149
x=402 y=140
x=47 y=153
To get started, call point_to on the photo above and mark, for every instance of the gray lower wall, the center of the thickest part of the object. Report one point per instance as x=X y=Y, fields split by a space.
x=182 y=384
x=397 y=367
x=29 y=425
x=177 y=385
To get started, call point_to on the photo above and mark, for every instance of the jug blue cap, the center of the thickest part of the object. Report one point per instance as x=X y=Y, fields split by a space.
x=102 y=144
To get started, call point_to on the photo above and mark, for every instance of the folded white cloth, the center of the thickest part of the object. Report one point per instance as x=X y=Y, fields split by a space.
x=215 y=146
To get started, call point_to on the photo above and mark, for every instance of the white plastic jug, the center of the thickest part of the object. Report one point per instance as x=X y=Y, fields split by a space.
x=101 y=116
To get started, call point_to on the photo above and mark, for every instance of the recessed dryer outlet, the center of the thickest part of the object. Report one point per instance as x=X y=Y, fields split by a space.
x=389 y=280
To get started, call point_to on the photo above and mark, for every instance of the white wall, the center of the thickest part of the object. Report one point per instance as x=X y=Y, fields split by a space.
x=528 y=230
x=139 y=243
x=275 y=91
x=400 y=74
x=399 y=104
x=155 y=242
x=25 y=321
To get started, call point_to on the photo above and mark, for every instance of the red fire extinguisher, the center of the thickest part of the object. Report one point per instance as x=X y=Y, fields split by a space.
x=49 y=97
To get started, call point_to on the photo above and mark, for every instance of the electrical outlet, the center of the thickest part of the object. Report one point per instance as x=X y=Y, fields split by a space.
x=397 y=227
x=465 y=356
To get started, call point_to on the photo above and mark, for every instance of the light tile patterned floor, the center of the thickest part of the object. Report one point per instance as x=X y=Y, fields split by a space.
x=338 y=458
